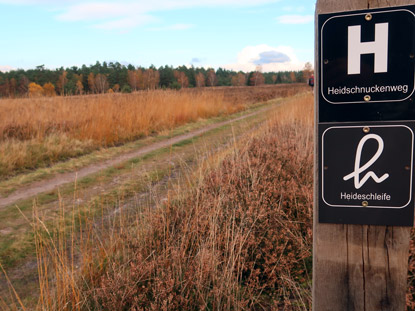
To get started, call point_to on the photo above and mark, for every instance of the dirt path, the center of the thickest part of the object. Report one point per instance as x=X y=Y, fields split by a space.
x=61 y=179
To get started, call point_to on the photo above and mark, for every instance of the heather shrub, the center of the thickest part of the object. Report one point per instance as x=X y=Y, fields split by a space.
x=410 y=293
x=241 y=240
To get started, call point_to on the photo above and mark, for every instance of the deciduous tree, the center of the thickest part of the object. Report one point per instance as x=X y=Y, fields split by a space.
x=151 y=78
x=35 y=90
x=91 y=83
x=101 y=83
x=5 y=88
x=116 y=88
x=132 y=79
x=307 y=71
x=257 y=78
x=23 y=85
x=60 y=84
x=13 y=87
x=137 y=79
x=200 y=79
x=48 y=89
x=292 y=77
x=239 y=79
x=79 y=87
x=181 y=78
x=211 y=78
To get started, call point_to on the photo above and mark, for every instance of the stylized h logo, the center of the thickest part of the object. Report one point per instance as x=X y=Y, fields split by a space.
x=379 y=48
x=360 y=169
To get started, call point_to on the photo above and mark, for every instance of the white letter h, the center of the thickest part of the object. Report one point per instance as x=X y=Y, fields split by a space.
x=379 y=48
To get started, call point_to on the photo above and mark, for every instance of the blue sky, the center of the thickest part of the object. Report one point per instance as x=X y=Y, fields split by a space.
x=234 y=34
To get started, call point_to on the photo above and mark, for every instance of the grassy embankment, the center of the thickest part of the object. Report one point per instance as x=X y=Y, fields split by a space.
x=237 y=235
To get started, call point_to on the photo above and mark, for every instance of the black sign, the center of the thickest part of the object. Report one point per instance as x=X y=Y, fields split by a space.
x=366 y=173
x=367 y=65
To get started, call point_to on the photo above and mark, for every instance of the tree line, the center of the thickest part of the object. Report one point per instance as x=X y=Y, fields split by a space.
x=115 y=77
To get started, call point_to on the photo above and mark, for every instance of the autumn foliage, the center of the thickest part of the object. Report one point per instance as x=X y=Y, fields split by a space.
x=143 y=79
x=182 y=78
x=49 y=89
x=98 y=78
x=239 y=79
x=35 y=90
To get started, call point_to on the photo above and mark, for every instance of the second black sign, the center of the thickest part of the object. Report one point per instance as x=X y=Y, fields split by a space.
x=366 y=173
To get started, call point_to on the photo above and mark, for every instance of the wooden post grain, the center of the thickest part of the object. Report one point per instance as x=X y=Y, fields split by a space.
x=356 y=267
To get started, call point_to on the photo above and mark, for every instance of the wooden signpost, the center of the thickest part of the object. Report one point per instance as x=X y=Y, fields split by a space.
x=365 y=111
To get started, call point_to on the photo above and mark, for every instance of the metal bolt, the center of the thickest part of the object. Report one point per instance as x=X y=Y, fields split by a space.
x=366 y=129
x=326 y=168
x=407 y=168
x=368 y=17
x=412 y=55
x=365 y=203
x=326 y=61
x=367 y=98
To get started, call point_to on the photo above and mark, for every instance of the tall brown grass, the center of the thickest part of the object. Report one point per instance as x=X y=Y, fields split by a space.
x=38 y=132
x=49 y=129
x=238 y=239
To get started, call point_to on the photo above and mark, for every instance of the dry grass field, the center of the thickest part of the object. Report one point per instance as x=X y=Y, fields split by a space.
x=235 y=236
x=46 y=130
x=37 y=132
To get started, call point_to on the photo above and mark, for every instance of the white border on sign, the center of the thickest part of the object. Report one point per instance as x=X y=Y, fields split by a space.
x=321 y=60
x=372 y=126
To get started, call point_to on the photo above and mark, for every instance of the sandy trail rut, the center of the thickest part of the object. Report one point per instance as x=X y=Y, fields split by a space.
x=65 y=178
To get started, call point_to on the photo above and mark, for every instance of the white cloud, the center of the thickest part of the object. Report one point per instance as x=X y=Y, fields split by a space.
x=97 y=11
x=294 y=8
x=179 y=27
x=6 y=68
x=170 y=3
x=125 y=23
x=118 y=14
x=197 y=60
x=252 y=56
x=101 y=10
x=125 y=14
x=295 y=19
x=173 y=27
x=37 y=2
